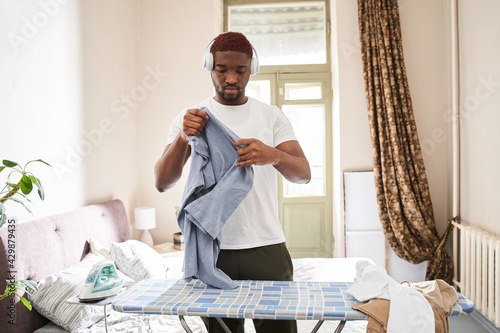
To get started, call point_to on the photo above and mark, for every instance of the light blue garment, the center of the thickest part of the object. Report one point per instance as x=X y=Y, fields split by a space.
x=214 y=189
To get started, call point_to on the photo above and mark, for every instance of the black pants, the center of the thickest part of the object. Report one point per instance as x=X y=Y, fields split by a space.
x=271 y=262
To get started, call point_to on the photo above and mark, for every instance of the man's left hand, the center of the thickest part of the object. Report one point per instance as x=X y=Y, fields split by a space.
x=255 y=152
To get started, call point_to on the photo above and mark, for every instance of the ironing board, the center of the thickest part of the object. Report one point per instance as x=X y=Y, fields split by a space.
x=296 y=300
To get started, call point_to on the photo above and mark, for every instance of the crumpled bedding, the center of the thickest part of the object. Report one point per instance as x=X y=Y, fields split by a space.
x=122 y=322
x=117 y=322
x=171 y=324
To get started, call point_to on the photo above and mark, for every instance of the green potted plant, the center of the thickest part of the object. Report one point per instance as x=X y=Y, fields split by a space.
x=18 y=185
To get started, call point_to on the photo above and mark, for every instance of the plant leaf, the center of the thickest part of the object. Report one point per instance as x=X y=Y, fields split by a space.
x=42 y=161
x=22 y=203
x=3 y=217
x=25 y=302
x=9 y=164
x=28 y=284
x=36 y=181
x=24 y=196
x=41 y=191
x=1 y=168
x=26 y=184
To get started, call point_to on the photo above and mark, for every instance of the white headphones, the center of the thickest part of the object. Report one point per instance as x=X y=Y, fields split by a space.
x=208 y=60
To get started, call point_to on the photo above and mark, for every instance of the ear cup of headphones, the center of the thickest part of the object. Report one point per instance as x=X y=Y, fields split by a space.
x=208 y=62
x=254 y=66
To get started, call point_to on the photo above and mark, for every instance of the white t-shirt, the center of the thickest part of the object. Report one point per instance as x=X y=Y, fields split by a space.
x=255 y=222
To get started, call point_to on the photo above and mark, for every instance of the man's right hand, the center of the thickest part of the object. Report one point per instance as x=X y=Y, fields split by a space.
x=168 y=169
x=194 y=122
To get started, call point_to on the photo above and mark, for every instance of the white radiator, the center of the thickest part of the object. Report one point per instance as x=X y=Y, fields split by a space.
x=477 y=269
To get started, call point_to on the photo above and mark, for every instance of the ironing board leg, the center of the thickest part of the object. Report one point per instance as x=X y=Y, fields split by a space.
x=188 y=330
x=185 y=325
x=223 y=324
x=105 y=319
x=340 y=327
x=318 y=325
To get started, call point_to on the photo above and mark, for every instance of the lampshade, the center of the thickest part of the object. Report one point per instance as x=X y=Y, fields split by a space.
x=145 y=218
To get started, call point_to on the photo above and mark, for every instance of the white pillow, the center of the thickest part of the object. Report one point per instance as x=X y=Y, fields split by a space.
x=50 y=298
x=97 y=248
x=138 y=260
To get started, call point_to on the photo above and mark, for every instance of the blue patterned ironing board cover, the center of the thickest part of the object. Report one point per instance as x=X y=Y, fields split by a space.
x=300 y=300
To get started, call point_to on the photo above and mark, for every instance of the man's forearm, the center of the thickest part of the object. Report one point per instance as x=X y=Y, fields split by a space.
x=168 y=169
x=295 y=169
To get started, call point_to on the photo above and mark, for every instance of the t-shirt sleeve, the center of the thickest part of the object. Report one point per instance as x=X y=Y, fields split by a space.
x=175 y=127
x=283 y=130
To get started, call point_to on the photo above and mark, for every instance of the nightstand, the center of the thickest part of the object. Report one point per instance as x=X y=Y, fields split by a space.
x=169 y=249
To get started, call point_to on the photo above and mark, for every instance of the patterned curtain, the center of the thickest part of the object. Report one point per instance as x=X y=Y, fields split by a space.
x=403 y=195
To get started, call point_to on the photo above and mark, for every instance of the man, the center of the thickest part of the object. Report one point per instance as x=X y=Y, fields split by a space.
x=253 y=243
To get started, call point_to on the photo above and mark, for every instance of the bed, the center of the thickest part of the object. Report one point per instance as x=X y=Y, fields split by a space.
x=48 y=245
x=58 y=251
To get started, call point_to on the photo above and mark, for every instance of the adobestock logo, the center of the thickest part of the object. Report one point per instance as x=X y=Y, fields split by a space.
x=468 y=105
x=420 y=323
x=121 y=107
x=471 y=103
x=30 y=27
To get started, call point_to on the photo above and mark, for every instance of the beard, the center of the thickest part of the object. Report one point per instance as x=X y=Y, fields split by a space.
x=231 y=99
x=220 y=90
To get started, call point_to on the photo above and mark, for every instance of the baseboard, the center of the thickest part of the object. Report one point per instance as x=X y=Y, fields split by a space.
x=481 y=320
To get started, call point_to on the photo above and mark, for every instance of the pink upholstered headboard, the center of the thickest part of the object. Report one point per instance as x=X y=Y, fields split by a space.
x=48 y=245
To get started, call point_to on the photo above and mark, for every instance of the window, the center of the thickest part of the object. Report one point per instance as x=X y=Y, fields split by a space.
x=285 y=33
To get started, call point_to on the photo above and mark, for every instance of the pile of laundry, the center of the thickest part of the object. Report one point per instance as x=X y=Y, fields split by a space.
x=394 y=307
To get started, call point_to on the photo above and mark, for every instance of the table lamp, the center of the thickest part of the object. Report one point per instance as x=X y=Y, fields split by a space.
x=144 y=220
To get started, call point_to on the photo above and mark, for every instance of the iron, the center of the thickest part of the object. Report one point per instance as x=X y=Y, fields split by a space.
x=102 y=282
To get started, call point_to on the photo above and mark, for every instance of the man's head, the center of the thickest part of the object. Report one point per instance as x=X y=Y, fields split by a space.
x=232 y=41
x=231 y=67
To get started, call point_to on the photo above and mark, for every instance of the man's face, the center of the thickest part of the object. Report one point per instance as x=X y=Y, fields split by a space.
x=230 y=76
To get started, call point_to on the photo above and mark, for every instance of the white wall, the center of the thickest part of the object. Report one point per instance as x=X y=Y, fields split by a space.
x=57 y=91
x=92 y=88
x=173 y=36
x=352 y=146
x=425 y=33
x=480 y=113
x=41 y=98
x=110 y=91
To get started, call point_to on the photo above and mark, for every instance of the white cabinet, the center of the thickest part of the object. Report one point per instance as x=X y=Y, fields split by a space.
x=363 y=231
